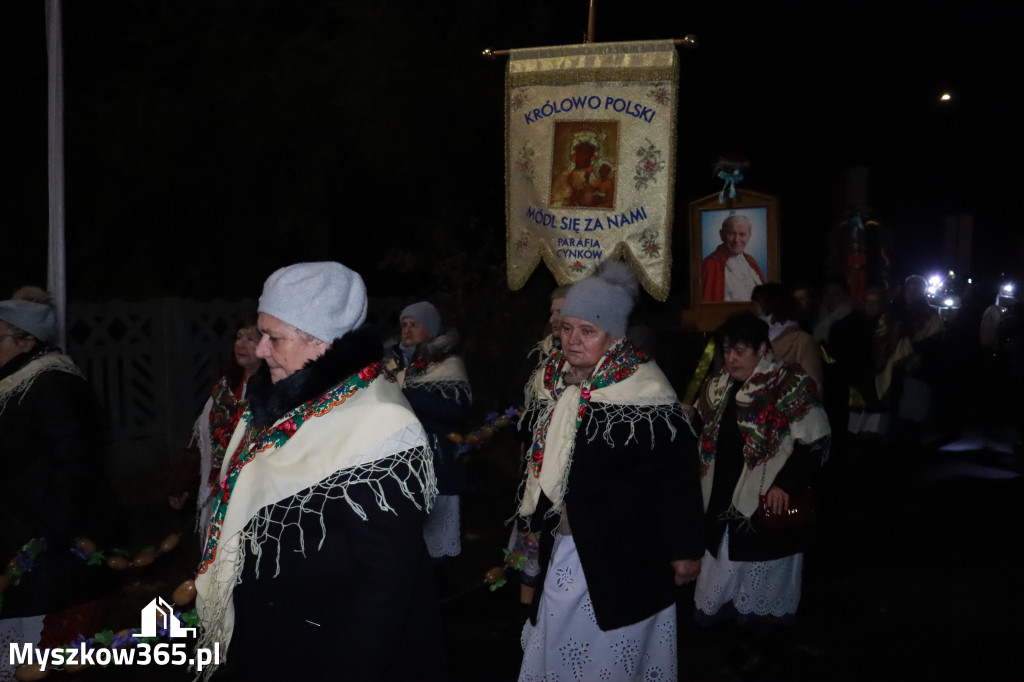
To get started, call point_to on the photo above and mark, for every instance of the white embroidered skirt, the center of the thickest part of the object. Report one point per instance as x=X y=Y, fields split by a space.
x=19 y=631
x=761 y=588
x=566 y=644
x=442 y=531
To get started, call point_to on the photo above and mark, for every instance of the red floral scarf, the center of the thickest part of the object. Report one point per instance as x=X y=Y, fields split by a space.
x=619 y=363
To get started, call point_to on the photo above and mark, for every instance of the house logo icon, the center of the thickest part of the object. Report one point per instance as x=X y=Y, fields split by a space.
x=159 y=609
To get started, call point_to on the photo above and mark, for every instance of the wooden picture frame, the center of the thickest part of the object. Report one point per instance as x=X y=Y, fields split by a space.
x=753 y=233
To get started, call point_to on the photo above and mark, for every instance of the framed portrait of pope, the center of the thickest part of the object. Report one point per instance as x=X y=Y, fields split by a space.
x=734 y=247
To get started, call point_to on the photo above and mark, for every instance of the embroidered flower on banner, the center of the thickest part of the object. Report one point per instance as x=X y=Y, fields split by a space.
x=649 y=246
x=518 y=100
x=525 y=165
x=523 y=240
x=659 y=94
x=577 y=267
x=648 y=166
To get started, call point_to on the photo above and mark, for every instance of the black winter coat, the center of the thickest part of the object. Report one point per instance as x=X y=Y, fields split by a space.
x=440 y=415
x=362 y=606
x=633 y=507
x=52 y=485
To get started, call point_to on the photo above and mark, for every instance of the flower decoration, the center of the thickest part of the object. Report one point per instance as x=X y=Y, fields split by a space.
x=648 y=166
x=648 y=240
x=522 y=551
x=659 y=94
x=524 y=240
x=22 y=562
x=525 y=165
x=85 y=549
x=519 y=99
x=493 y=422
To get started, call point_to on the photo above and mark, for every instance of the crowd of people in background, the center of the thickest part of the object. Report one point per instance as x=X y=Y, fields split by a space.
x=327 y=488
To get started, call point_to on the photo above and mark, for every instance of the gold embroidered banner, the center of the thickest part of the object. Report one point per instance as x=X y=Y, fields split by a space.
x=590 y=154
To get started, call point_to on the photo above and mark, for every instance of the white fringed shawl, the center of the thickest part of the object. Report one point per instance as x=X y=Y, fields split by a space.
x=335 y=448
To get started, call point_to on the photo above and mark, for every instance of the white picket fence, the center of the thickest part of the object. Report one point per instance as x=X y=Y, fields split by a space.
x=152 y=365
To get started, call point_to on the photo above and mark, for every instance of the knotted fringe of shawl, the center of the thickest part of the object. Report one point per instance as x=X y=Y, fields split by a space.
x=206 y=498
x=645 y=396
x=18 y=383
x=447 y=378
x=343 y=444
x=775 y=408
x=201 y=439
x=415 y=463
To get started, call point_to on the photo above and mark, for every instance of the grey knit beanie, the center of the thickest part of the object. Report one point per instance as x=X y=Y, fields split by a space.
x=604 y=299
x=37 y=319
x=326 y=300
x=426 y=314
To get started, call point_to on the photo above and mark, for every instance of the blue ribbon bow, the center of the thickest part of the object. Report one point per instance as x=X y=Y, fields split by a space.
x=731 y=178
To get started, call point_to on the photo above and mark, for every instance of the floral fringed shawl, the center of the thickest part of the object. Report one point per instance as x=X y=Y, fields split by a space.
x=776 y=407
x=212 y=433
x=434 y=368
x=358 y=433
x=17 y=383
x=631 y=389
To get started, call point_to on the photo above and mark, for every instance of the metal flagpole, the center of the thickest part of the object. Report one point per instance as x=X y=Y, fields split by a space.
x=56 y=277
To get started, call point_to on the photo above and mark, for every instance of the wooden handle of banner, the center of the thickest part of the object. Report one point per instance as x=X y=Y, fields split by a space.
x=591 y=24
x=689 y=42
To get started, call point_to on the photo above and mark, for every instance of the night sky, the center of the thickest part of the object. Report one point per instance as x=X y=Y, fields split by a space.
x=209 y=142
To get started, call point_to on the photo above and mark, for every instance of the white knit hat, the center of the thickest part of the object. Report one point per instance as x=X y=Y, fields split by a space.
x=604 y=299
x=326 y=300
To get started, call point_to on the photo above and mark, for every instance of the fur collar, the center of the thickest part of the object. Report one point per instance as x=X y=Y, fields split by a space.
x=346 y=356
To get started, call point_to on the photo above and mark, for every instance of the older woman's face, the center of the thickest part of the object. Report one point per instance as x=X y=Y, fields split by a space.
x=285 y=351
x=584 y=343
x=13 y=342
x=741 y=359
x=246 y=340
x=413 y=333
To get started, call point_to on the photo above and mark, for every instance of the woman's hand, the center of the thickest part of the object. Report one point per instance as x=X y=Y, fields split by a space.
x=777 y=500
x=531 y=545
x=686 y=570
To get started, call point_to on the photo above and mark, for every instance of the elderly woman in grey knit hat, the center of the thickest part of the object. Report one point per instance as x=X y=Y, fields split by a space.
x=434 y=381
x=52 y=489
x=611 y=493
